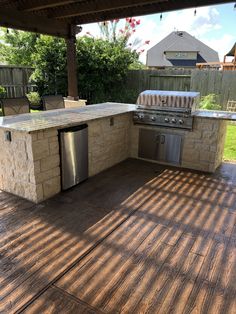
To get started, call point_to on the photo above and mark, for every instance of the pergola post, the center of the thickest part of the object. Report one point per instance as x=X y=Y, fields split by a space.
x=72 y=64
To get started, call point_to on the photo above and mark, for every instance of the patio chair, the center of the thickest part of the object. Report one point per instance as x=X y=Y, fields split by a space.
x=53 y=102
x=14 y=106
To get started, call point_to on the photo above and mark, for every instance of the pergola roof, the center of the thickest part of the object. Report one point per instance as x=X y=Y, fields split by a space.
x=54 y=17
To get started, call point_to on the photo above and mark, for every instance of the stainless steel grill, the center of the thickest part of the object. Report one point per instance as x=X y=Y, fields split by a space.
x=166 y=108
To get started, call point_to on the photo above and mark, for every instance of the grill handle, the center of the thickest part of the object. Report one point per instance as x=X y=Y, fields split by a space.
x=162 y=139
x=158 y=137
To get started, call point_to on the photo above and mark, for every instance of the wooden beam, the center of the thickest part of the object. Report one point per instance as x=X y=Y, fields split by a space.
x=143 y=10
x=72 y=66
x=33 y=23
x=34 y=5
x=97 y=6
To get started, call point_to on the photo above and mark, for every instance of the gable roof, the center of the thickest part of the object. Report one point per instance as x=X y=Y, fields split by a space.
x=179 y=41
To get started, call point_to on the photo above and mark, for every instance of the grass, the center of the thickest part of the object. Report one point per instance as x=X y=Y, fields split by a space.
x=34 y=110
x=230 y=143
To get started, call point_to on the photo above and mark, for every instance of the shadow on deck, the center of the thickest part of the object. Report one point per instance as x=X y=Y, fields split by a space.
x=137 y=238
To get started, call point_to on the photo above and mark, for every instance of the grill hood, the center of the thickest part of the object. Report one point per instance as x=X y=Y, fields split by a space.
x=159 y=99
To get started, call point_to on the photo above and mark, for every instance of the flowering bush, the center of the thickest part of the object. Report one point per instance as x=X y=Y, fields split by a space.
x=124 y=35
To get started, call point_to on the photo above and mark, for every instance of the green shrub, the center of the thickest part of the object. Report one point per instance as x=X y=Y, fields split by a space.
x=2 y=92
x=210 y=102
x=34 y=98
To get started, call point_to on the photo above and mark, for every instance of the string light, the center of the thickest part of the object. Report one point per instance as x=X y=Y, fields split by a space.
x=195 y=12
x=161 y=17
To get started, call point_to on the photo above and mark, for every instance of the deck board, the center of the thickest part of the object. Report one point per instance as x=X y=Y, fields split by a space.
x=137 y=238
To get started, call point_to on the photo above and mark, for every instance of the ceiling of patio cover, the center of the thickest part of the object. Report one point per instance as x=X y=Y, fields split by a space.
x=54 y=17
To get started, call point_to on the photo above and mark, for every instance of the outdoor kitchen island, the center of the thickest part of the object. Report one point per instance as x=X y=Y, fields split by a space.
x=30 y=158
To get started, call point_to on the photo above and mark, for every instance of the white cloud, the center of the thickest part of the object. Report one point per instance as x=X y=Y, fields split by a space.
x=205 y=21
x=91 y=28
x=222 y=44
x=203 y=26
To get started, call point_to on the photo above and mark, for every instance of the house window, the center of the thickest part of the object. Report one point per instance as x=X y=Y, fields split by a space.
x=181 y=55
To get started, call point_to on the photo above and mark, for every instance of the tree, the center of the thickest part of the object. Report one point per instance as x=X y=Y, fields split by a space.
x=102 y=64
x=17 y=47
x=102 y=68
x=49 y=60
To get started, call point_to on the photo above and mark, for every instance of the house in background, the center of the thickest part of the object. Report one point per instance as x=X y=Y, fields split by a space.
x=180 y=49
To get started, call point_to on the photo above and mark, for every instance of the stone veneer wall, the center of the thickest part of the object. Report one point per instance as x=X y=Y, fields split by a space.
x=202 y=149
x=30 y=163
x=109 y=142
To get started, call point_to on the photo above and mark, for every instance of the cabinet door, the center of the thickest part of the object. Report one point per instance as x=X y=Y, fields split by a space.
x=165 y=147
x=148 y=142
x=170 y=148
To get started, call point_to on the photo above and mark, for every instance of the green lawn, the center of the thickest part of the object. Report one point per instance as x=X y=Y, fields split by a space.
x=230 y=143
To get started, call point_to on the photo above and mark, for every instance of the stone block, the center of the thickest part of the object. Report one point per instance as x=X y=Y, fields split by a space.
x=34 y=136
x=37 y=167
x=40 y=149
x=50 y=133
x=207 y=156
x=51 y=187
x=40 y=135
x=54 y=148
x=190 y=155
x=49 y=162
x=46 y=175
x=53 y=139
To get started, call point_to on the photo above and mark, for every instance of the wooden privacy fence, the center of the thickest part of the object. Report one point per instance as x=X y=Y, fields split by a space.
x=140 y=80
x=222 y=83
x=16 y=80
x=231 y=105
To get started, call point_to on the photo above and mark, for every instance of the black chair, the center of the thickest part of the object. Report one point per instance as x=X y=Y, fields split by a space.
x=14 y=106
x=53 y=102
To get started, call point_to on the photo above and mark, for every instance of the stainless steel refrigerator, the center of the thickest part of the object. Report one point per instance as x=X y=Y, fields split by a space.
x=74 y=155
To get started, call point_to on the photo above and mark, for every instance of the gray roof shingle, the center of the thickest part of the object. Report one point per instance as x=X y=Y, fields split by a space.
x=179 y=41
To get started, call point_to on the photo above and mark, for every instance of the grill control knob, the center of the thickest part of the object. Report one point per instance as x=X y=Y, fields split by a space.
x=173 y=120
x=181 y=121
x=153 y=118
x=141 y=116
x=167 y=120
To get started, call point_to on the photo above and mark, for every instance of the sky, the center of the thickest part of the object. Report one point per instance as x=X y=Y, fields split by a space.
x=213 y=25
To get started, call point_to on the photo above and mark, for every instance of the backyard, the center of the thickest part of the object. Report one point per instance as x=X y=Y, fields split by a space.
x=117 y=174
x=230 y=143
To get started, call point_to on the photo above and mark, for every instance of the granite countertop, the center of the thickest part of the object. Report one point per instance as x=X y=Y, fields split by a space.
x=211 y=114
x=62 y=118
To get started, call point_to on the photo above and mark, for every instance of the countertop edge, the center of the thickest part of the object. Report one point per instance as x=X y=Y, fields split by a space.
x=216 y=115
x=71 y=124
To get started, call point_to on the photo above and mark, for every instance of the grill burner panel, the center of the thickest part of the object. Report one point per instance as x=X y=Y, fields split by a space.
x=166 y=119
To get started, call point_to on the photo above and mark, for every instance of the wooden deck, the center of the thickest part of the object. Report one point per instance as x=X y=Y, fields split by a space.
x=138 y=238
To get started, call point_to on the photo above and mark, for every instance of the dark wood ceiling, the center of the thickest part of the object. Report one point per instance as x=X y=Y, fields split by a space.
x=54 y=17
